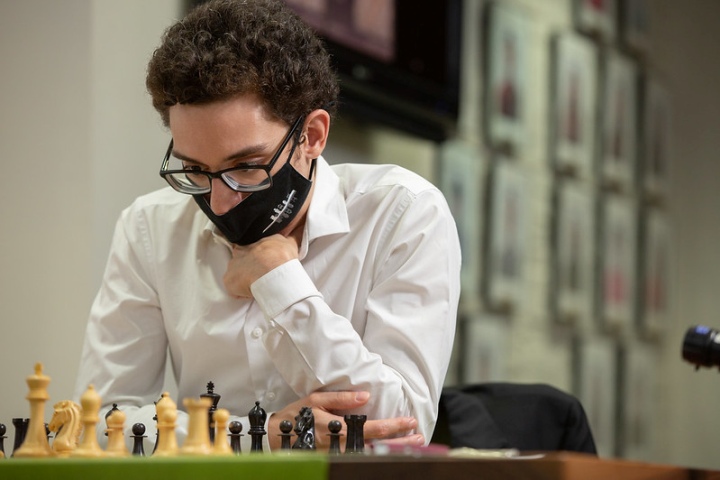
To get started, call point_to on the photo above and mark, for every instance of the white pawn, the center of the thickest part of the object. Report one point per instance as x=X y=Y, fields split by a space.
x=166 y=424
x=89 y=446
x=116 y=440
x=222 y=446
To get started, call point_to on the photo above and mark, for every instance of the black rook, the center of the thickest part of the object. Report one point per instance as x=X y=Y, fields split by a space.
x=355 y=434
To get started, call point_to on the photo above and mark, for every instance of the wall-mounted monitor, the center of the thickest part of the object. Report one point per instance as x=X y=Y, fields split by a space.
x=398 y=60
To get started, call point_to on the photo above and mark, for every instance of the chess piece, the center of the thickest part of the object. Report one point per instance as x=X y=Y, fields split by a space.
x=157 y=431
x=285 y=429
x=305 y=430
x=3 y=429
x=198 y=437
x=355 y=435
x=235 y=429
x=110 y=412
x=360 y=433
x=221 y=445
x=21 y=426
x=334 y=426
x=116 y=440
x=215 y=400
x=167 y=445
x=138 y=434
x=66 y=423
x=90 y=404
x=350 y=439
x=36 y=443
x=257 y=417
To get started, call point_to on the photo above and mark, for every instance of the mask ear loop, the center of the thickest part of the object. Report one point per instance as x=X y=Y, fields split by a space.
x=302 y=139
x=312 y=169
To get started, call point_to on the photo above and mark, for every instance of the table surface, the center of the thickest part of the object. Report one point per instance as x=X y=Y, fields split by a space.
x=317 y=466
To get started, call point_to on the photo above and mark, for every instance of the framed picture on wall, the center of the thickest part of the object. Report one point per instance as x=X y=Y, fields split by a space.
x=635 y=22
x=485 y=348
x=573 y=105
x=656 y=140
x=506 y=234
x=655 y=275
x=638 y=378
x=596 y=18
x=573 y=254
x=618 y=235
x=506 y=78
x=596 y=386
x=461 y=183
x=619 y=124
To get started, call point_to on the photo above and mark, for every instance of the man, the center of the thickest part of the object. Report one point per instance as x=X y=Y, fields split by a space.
x=279 y=278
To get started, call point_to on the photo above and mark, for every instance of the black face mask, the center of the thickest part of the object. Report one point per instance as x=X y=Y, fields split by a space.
x=263 y=213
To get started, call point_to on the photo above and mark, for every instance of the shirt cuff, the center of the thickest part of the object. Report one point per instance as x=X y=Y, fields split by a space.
x=281 y=287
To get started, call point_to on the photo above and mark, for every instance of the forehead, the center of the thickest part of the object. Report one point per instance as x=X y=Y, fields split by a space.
x=213 y=129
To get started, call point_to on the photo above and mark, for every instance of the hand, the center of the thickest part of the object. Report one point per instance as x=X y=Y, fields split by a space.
x=250 y=262
x=398 y=430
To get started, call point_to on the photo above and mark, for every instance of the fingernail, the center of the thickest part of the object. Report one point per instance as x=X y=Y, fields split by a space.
x=420 y=440
x=362 y=396
x=412 y=423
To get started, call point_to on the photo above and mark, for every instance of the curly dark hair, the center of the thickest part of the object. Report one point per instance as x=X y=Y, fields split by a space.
x=225 y=48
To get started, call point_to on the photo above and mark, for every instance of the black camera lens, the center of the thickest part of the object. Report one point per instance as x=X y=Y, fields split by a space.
x=701 y=346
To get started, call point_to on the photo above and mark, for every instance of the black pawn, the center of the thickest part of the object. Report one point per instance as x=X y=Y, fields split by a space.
x=286 y=429
x=3 y=429
x=215 y=400
x=138 y=433
x=334 y=426
x=257 y=417
x=21 y=426
x=235 y=428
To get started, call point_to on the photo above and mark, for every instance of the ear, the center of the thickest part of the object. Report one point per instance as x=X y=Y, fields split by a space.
x=315 y=130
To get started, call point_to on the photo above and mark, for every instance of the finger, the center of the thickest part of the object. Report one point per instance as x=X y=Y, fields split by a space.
x=338 y=400
x=389 y=427
x=414 y=439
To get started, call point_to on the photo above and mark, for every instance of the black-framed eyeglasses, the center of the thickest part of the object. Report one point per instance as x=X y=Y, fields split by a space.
x=243 y=178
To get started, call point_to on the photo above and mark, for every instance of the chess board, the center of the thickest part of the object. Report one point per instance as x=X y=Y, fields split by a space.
x=318 y=466
x=299 y=466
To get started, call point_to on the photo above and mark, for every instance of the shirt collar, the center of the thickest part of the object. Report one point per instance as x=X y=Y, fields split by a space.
x=327 y=214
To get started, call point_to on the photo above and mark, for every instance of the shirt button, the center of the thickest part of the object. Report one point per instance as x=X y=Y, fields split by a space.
x=271 y=396
x=257 y=332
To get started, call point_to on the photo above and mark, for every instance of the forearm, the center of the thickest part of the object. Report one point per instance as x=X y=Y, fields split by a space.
x=397 y=360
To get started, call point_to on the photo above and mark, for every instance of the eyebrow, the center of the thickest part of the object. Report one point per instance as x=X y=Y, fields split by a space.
x=240 y=154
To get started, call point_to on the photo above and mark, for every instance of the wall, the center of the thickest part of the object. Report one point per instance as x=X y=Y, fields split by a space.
x=45 y=132
x=78 y=141
x=77 y=123
x=684 y=47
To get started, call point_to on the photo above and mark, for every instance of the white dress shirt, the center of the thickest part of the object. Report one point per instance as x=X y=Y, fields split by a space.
x=370 y=305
